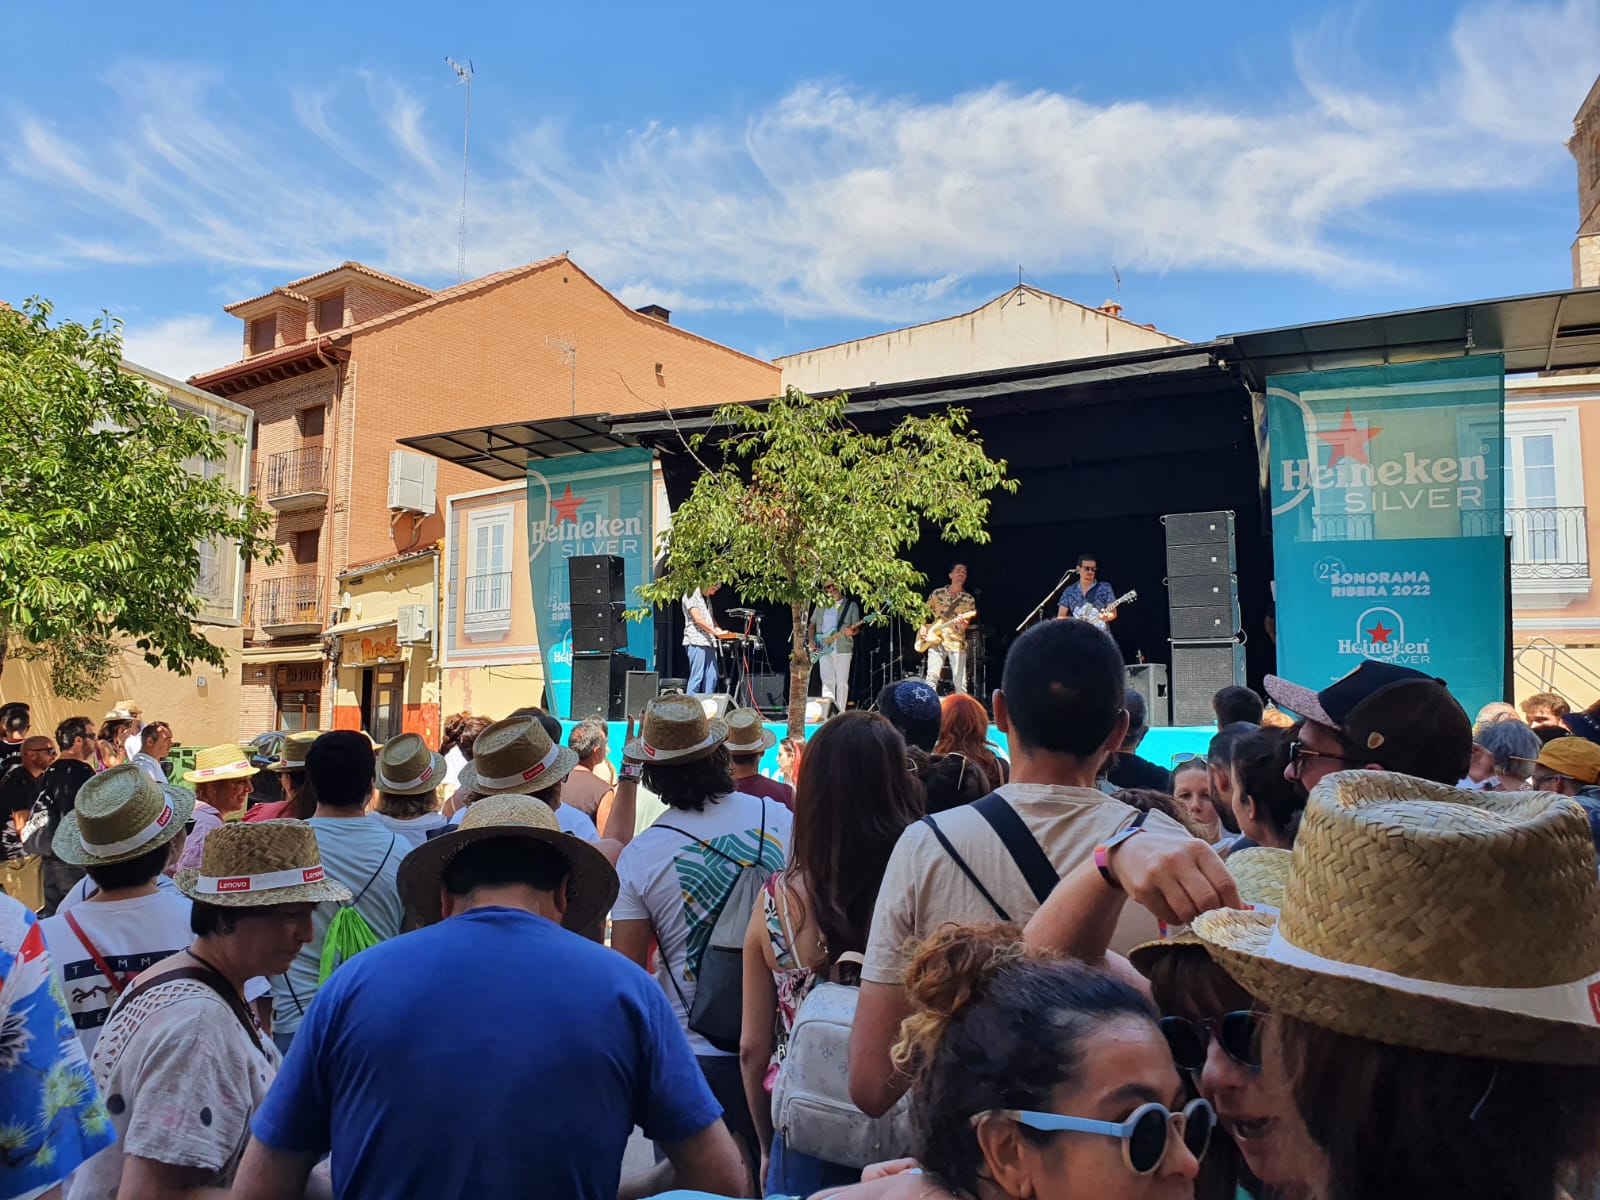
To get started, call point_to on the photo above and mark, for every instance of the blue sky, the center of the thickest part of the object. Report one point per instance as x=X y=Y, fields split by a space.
x=787 y=177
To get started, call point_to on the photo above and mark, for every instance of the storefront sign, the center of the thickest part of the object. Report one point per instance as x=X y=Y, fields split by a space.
x=300 y=675
x=368 y=649
x=586 y=504
x=1388 y=522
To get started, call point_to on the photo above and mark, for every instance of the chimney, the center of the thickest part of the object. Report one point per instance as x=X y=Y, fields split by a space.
x=655 y=310
x=1111 y=308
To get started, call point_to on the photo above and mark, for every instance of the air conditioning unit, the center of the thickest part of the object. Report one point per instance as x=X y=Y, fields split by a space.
x=412 y=624
x=412 y=482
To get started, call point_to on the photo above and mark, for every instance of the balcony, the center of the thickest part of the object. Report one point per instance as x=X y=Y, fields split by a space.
x=289 y=605
x=1549 y=552
x=486 y=605
x=296 y=479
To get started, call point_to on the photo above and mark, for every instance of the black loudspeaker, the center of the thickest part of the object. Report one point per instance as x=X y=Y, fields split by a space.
x=1199 y=671
x=599 y=683
x=1150 y=681
x=1199 y=529
x=640 y=688
x=599 y=628
x=1198 y=591
x=595 y=578
x=1215 y=558
x=772 y=692
x=1210 y=622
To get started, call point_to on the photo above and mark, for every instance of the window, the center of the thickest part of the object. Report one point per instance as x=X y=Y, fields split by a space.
x=307 y=544
x=1545 y=513
x=486 y=603
x=330 y=312
x=263 y=334
x=299 y=710
x=312 y=421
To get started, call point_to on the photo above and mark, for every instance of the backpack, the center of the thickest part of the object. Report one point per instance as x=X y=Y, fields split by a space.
x=348 y=933
x=718 y=1008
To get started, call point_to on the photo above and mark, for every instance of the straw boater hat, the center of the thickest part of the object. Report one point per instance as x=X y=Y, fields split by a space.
x=746 y=733
x=250 y=865
x=675 y=730
x=292 y=752
x=516 y=756
x=1261 y=874
x=216 y=763
x=406 y=767
x=1427 y=916
x=590 y=891
x=120 y=814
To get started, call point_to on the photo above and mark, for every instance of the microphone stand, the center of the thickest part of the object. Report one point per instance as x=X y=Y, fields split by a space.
x=1060 y=583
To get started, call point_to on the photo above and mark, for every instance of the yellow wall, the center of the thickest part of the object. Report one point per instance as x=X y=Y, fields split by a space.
x=493 y=692
x=377 y=595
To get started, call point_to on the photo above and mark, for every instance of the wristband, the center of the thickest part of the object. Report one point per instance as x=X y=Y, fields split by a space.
x=631 y=770
x=1102 y=852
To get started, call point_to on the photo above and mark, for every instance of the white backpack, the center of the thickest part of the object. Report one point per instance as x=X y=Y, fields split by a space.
x=811 y=1104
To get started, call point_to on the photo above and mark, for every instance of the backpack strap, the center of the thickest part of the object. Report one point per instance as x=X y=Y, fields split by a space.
x=212 y=979
x=1020 y=843
x=117 y=982
x=966 y=870
x=356 y=899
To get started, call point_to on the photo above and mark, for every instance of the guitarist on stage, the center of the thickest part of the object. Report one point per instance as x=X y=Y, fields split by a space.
x=831 y=633
x=1091 y=590
x=953 y=610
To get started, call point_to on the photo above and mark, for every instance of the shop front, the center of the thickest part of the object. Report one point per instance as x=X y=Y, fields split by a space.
x=282 y=688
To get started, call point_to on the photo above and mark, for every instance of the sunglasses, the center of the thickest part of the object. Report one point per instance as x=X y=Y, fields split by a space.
x=1185 y=758
x=1238 y=1033
x=1145 y=1135
x=1299 y=753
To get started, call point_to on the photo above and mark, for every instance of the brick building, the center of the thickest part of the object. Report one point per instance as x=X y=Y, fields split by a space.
x=342 y=632
x=1585 y=147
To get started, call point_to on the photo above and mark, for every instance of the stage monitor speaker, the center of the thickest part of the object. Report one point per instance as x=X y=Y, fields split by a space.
x=640 y=687
x=771 y=691
x=1208 y=622
x=595 y=578
x=818 y=709
x=1199 y=671
x=1150 y=681
x=669 y=684
x=599 y=682
x=716 y=704
x=599 y=628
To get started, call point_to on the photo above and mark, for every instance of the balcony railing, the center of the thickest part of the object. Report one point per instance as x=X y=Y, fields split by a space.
x=288 y=604
x=486 y=601
x=296 y=478
x=1547 y=543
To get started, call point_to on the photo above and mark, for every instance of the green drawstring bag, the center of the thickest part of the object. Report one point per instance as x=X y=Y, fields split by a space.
x=348 y=933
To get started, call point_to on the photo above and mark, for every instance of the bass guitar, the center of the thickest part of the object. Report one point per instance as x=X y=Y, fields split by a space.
x=1097 y=616
x=932 y=634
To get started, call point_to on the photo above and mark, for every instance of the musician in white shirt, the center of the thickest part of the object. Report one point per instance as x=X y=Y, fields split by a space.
x=1089 y=590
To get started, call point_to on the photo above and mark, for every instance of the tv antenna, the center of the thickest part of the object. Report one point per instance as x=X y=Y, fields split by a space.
x=1117 y=276
x=464 y=74
x=567 y=344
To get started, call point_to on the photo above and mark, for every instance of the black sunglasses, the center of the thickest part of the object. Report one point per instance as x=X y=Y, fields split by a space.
x=1299 y=752
x=1238 y=1033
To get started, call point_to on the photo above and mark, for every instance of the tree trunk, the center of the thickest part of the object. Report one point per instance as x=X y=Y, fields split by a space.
x=799 y=671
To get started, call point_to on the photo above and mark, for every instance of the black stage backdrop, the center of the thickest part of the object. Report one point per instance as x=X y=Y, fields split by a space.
x=1099 y=465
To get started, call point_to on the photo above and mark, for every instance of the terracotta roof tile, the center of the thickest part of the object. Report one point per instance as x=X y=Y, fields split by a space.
x=363 y=269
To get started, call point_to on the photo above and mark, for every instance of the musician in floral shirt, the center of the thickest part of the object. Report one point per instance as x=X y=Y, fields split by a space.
x=1090 y=589
x=946 y=605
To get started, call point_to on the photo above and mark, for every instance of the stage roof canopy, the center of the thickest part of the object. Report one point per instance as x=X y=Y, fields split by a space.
x=504 y=451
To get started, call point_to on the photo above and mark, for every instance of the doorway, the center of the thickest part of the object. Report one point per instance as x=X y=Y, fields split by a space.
x=381 y=701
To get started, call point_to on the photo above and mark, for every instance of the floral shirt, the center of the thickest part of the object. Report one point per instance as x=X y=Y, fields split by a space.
x=793 y=981
x=945 y=603
x=51 y=1117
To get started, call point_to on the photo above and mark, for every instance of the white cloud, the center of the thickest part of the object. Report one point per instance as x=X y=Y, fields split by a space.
x=183 y=345
x=832 y=201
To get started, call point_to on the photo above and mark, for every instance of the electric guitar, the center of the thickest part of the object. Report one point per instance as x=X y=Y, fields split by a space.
x=1097 y=616
x=825 y=646
x=932 y=634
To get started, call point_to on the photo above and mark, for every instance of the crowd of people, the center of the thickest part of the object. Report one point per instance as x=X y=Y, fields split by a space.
x=1353 y=950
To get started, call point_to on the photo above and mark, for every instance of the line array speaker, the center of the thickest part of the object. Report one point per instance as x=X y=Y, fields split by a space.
x=599 y=628
x=1203 y=611
x=595 y=578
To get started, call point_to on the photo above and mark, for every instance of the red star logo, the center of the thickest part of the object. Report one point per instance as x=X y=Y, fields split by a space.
x=1379 y=634
x=1348 y=441
x=566 y=505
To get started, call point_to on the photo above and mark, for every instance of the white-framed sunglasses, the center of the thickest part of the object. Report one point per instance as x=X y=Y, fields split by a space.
x=1145 y=1135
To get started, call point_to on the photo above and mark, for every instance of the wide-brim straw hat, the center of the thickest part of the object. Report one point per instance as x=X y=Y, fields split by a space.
x=746 y=733
x=1261 y=874
x=254 y=864
x=216 y=763
x=1422 y=915
x=516 y=757
x=676 y=730
x=292 y=752
x=407 y=767
x=120 y=814
x=591 y=889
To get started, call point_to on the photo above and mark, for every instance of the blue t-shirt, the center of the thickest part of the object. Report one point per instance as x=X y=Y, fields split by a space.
x=552 y=1048
x=1100 y=595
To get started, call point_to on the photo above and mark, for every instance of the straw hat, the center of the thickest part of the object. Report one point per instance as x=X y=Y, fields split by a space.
x=1422 y=915
x=1261 y=873
x=516 y=756
x=250 y=865
x=406 y=767
x=292 y=752
x=590 y=891
x=120 y=814
x=216 y=763
x=746 y=733
x=675 y=730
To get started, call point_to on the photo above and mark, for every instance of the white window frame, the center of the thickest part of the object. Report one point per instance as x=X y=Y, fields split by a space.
x=1561 y=425
x=481 y=627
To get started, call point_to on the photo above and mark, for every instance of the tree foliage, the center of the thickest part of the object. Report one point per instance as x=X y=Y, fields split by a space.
x=101 y=513
x=803 y=498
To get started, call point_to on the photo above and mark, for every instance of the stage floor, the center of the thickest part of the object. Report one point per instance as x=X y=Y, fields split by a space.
x=1160 y=745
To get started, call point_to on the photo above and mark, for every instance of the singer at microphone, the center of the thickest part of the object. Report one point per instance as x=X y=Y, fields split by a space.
x=1090 y=589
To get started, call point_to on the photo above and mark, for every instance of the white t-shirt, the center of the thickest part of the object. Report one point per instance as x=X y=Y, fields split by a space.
x=678 y=886
x=134 y=742
x=693 y=634
x=454 y=760
x=87 y=887
x=577 y=822
x=412 y=829
x=131 y=935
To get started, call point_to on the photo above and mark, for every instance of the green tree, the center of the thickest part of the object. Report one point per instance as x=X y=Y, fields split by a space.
x=101 y=516
x=803 y=498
